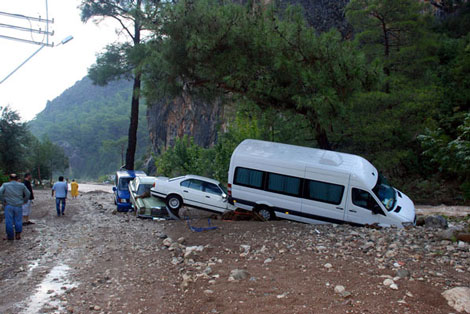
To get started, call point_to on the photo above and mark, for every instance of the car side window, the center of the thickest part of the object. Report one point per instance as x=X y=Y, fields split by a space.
x=185 y=183
x=365 y=200
x=195 y=184
x=212 y=188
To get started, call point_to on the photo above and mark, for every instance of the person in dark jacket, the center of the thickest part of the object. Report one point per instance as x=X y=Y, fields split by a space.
x=13 y=194
x=27 y=205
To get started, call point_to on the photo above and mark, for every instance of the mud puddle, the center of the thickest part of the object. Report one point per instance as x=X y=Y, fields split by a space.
x=48 y=293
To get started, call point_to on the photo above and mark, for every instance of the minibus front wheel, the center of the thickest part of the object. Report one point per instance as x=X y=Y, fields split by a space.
x=265 y=212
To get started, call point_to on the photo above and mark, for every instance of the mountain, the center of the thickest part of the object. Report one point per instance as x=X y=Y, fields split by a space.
x=91 y=123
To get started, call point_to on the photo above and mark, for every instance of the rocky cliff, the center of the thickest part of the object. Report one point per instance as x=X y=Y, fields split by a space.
x=170 y=119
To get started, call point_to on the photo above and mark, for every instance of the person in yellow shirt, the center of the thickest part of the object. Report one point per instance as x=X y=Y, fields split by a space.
x=74 y=188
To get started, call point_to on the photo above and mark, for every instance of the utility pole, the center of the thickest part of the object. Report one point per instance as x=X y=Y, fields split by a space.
x=17 y=28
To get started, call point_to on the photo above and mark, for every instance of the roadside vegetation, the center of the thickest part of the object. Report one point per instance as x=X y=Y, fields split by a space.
x=396 y=92
x=22 y=152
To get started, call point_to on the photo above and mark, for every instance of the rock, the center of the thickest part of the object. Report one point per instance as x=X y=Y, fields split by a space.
x=97 y=308
x=208 y=270
x=458 y=298
x=403 y=273
x=177 y=260
x=435 y=221
x=448 y=234
x=245 y=248
x=465 y=237
x=268 y=260
x=328 y=265
x=281 y=296
x=345 y=294
x=167 y=242
x=191 y=251
x=238 y=274
x=394 y=286
x=388 y=282
x=420 y=220
x=208 y=291
x=339 y=289
x=186 y=280
x=181 y=240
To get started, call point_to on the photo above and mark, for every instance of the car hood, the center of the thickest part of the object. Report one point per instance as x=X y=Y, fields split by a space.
x=149 y=202
x=407 y=211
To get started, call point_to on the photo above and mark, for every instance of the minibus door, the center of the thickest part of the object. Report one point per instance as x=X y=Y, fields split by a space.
x=363 y=208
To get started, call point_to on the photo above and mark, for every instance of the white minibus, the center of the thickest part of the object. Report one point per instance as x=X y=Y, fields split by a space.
x=313 y=186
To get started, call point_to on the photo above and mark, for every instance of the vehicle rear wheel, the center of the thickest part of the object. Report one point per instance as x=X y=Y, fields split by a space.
x=266 y=213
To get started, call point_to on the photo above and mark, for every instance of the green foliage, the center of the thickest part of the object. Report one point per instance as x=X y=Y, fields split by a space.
x=3 y=177
x=14 y=138
x=112 y=64
x=452 y=155
x=46 y=158
x=396 y=34
x=222 y=49
x=23 y=153
x=185 y=157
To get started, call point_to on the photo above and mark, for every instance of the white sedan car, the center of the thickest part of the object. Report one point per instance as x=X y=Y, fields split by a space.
x=191 y=190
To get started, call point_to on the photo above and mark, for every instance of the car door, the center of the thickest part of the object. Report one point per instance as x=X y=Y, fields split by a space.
x=363 y=208
x=192 y=191
x=214 y=197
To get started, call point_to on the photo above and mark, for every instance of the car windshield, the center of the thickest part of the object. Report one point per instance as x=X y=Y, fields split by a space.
x=144 y=188
x=124 y=183
x=385 y=192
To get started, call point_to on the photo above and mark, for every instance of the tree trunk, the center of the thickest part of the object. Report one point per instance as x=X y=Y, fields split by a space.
x=322 y=137
x=132 y=138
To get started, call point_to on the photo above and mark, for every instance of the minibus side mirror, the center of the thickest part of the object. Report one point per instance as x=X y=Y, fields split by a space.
x=114 y=189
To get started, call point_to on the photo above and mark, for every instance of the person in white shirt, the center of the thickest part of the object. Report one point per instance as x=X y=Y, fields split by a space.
x=60 y=189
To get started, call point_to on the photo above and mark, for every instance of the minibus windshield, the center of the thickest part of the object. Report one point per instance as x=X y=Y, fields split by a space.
x=386 y=194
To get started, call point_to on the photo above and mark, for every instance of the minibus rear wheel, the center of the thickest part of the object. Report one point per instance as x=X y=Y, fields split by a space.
x=265 y=212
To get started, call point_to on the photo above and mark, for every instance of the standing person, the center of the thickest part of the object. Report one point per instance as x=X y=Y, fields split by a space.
x=27 y=205
x=74 y=189
x=14 y=194
x=60 y=188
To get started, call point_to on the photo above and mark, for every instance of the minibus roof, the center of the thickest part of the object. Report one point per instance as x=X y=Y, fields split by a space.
x=305 y=157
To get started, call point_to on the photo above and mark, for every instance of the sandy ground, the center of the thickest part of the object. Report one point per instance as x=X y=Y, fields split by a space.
x=94 y=260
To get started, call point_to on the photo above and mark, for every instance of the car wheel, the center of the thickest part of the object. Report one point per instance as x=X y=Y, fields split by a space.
x=266 y=213
x=174 y=202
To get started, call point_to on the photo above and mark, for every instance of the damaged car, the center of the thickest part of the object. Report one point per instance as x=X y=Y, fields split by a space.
x=146 y=206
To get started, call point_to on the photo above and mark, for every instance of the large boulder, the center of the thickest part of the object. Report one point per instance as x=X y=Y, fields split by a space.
x=435 y=221
x=458 y=298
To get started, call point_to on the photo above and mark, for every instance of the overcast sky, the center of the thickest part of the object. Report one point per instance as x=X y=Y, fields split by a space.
x=52 y=70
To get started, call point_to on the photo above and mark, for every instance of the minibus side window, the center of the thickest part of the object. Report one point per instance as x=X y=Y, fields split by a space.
x=249 y=177
x=283 y=184
x=324 y=192
x=363 y=199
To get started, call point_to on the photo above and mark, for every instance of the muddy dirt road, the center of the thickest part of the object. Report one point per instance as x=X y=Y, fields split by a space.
x=94 y=260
